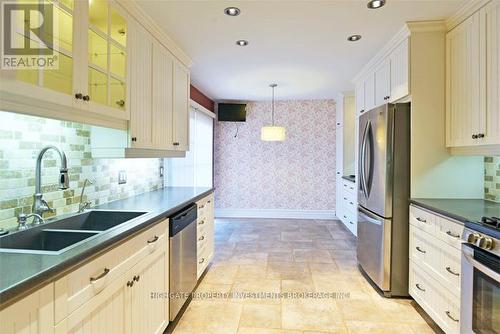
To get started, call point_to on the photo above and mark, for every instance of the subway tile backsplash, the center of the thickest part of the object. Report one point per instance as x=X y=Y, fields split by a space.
x=22 y=137
x=492 y=178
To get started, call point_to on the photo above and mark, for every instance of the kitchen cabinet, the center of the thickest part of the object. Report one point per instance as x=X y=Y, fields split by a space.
x=387 y=80
x=141 y=111
x=435 y=267
x=383 y=82
x=180 y=120
x=91 y=83
x=472 y=83
x=205 y=233
x=32 y=314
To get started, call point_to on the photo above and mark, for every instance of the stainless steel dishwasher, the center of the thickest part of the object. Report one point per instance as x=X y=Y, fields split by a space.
x=182 y=278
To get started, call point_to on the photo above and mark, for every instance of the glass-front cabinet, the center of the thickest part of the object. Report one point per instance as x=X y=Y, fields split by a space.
x=90 y=43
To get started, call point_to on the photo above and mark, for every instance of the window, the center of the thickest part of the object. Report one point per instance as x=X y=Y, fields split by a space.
x=195 y=170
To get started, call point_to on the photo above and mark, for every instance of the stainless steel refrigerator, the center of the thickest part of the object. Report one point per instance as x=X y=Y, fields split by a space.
x=383 y=193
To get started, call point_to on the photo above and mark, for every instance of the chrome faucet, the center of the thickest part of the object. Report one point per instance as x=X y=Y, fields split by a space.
x=84 y=205
x=40 y=206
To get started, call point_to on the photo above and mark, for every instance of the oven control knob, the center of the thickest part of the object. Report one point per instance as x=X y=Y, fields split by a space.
x=485 y=243
x=472 y=238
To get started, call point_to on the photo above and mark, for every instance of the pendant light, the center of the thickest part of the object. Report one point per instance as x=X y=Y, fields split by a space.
x=272 y=132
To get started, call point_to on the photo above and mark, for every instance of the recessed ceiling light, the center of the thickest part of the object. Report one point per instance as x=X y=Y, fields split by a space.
x=242 y=42
x=232 y=11
x=354 y=38
x=374 y=4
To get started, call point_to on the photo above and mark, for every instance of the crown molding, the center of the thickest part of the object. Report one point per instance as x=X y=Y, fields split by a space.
x=426 y=26
x=463 y=13
x=152 y=27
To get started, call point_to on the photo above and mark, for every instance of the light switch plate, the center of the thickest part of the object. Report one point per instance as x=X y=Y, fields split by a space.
x=122 y=177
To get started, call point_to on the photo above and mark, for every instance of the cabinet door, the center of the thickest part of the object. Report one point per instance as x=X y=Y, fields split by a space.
x=370 y=91
x=105 y=313
x=181 y=107
x=32 y=314
x=162 y=98
x=106 y=89
x=491 y=18
x=360 y=97
x=148 y=293
x=400 y=84
x=465 y=114
x=382 y=82
x=141 y=117
x=339 y=111
x=49 y=85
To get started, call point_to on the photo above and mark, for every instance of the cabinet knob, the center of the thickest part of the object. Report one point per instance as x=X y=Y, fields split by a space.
x=136 y=278
x=176 y=144
x=130 y=284
x=134 y=138
x=480 y=135
x=120 y=103
x=474 y=137
x=86 y=98
x=78 y=96
x=362 y=110
x=338 y=123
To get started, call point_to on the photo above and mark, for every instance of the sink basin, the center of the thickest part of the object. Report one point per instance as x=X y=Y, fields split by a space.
x=55 y=237
x=95 y=220
x=43 y=240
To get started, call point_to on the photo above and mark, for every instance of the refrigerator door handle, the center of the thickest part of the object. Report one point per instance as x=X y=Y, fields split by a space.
x=369 y=178
x=369 y=217
x=363 y=161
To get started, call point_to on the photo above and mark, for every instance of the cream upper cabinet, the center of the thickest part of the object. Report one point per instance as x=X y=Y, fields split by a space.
x=399 y=76
x=491 y=17
x=382 y=82
x=472 y=83
x=370 y=91
x=359 y=91
x=90 y=84
x=141 y=113
x=181 y=107
x=163 y=126
x=464 y=112
x=32 y=314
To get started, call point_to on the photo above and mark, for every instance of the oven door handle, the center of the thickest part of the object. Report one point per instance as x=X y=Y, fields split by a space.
x=481 y=267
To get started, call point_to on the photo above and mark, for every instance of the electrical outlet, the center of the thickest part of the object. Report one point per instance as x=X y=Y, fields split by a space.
x=122 y=177
x=161 y=171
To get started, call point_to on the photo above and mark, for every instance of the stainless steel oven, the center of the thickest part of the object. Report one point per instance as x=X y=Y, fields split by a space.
x=480 y=288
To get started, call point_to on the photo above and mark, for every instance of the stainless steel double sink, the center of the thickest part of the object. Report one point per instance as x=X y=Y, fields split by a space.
x=58 y=236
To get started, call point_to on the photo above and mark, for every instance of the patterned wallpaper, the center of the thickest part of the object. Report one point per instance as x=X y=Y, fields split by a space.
x=492 y=178
x=297 y=174
x=22 y=137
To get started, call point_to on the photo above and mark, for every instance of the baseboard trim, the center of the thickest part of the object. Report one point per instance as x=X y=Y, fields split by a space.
x=267 y=213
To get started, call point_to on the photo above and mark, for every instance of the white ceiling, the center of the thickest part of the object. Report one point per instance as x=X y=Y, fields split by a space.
x=300 y=45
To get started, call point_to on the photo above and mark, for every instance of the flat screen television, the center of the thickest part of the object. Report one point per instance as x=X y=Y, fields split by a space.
x=231 y=112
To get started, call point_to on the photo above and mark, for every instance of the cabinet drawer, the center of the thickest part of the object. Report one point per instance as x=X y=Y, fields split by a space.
x=205 y=206
x=87 y=281
x=423 y=219
x=349 y=186
x=349 y=203
x=450 y=268
x=450 y=232
x=423 y=249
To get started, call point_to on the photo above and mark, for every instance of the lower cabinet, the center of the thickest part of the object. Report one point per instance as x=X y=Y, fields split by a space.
x=205 y=233
x=435 y=269
x=32 y=314
x=347 y=212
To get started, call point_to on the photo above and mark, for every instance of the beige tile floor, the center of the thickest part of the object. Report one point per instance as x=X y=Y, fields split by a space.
x=291 y=256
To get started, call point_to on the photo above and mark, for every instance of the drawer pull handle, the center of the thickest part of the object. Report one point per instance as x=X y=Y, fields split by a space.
x=201 y=238
x=351 y=203
x=420 y=250
x=104 y=273
x=130 y=284
x=448 y=269
x=350 y=222
x=202 y=260
x=418 y=287
x=345 y=199
x=451 y=234
x=201 y=223
x=422 y=220
x=448 y=313
x=155 y=239
x=136 y=278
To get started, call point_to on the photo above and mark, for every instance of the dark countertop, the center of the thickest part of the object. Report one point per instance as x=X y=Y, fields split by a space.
x=351 y=178
x=22 y=273
x=460 y=209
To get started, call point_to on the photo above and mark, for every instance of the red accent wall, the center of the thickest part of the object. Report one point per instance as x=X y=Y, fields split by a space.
x=202 y=99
